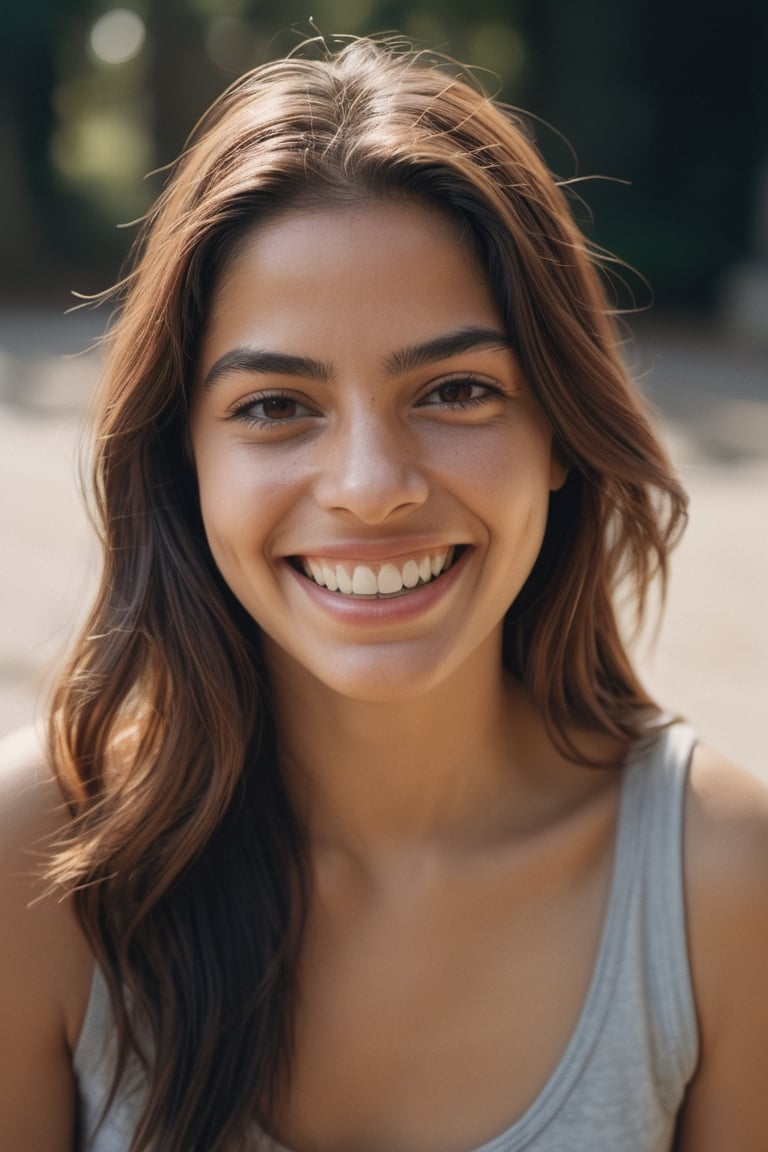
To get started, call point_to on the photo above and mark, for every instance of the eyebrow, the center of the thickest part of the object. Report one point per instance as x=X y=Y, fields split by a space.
x=260 y=360
x=247 y=359
x=469 y=339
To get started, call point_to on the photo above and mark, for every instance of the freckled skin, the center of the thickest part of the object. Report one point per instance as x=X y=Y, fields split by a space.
x=370 y=456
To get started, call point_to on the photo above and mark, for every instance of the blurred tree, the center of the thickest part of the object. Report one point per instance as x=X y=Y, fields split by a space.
x=30 y=34
x=181 y=76
x=671 y=96
x=706 y=74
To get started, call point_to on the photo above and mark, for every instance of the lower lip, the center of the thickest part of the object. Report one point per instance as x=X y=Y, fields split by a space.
x=382 y=610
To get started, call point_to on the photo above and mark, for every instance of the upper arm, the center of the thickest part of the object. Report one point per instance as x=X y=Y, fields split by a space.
x=44 y=963
x=726 y=854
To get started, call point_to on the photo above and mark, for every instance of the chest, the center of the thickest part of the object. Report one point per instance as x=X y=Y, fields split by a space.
x=431 y=1018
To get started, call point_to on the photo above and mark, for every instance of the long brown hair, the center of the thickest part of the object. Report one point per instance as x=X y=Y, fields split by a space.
x=184 y=851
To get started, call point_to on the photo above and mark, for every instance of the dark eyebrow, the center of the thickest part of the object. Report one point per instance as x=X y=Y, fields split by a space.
x=246 y=359
x=442 y=347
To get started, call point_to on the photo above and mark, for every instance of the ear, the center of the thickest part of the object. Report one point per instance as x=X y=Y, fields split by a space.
x=559 y=467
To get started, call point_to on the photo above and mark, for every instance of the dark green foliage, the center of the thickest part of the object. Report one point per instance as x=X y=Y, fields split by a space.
x=669 y=97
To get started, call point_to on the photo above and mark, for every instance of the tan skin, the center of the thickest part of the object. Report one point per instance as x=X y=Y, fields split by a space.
x=460 y=865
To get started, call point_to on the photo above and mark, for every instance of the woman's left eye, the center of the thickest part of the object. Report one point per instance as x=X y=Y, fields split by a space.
x=462 y=393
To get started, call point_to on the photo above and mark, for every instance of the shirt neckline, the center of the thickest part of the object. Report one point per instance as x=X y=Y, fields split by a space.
x=574 y=1057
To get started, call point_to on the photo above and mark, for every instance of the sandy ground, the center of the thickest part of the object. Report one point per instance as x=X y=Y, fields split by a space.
x=711 y=658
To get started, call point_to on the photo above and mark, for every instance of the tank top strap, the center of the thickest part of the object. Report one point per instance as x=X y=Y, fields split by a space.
x=650 y=856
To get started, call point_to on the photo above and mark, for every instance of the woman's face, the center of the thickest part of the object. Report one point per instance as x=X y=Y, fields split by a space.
x=373 y=468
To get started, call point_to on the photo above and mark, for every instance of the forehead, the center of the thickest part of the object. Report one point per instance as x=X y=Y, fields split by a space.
x=374 y=274
x=312 y=223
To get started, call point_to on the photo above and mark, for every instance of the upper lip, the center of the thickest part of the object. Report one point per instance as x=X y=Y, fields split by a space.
x=375 y=550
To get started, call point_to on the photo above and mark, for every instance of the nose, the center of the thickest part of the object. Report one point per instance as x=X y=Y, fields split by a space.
x=371 y=467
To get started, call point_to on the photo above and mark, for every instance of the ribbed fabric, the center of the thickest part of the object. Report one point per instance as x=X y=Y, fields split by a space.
x=621 y=1079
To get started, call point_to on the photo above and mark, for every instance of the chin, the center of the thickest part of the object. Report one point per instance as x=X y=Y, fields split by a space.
x=366 y=675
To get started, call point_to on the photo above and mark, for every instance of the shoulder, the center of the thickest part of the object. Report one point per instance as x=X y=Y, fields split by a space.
x=31 y=810
x=28 y=793
x=45 y=965
x=726 y=880
x=726 y=834
x=726 y=859
x=43 y=950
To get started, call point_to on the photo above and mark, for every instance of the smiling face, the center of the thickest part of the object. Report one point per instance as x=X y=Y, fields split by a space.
x=373 y=469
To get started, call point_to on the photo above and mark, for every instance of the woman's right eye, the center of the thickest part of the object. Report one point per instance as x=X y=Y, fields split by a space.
x=271 y=409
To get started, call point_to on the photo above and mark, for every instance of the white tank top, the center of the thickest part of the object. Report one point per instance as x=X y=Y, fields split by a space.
x=620 y=1081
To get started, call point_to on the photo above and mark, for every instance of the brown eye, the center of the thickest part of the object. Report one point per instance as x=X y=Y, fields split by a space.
x=277 y=408
x=263 y=411
x=456 y=391
x=464 y=392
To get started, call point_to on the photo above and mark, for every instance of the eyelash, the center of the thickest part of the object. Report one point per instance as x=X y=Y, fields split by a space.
x=490 y=391
x=244 y=410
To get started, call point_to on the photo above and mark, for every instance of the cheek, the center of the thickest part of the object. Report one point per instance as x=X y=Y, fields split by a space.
x=228 y=504
x=245 y=496
x=512 y=471
x=516 y=492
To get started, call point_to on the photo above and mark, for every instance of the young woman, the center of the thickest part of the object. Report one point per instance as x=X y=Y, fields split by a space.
x=356 y=830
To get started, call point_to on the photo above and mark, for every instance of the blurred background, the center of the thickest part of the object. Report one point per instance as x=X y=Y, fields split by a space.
x=660 y=109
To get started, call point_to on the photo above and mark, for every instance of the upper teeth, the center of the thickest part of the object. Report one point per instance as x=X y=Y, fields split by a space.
x=385 y=579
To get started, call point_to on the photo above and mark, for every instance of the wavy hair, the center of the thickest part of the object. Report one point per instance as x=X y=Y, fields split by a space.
x=185 y=855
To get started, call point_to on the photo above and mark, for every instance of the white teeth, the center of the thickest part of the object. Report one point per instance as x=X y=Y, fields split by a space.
x=343 y=580
x=410 y=574
x=389 y=581
x=329 y=577
x=364 y=582
x=437 y=562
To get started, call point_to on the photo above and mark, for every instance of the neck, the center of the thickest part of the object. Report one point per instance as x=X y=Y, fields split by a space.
x=371 y=778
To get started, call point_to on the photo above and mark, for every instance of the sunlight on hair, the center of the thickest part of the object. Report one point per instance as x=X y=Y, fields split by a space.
x=117 y=36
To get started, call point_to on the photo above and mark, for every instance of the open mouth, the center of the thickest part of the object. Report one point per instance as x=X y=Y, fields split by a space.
x=377 y=581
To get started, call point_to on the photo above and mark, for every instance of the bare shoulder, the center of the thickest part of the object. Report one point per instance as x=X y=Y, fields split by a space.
x=29 y=797
x=726 y=854
x=726 y=833
x=45 y=962
x=726 y=862
x=31 y=811
x=32 y=815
